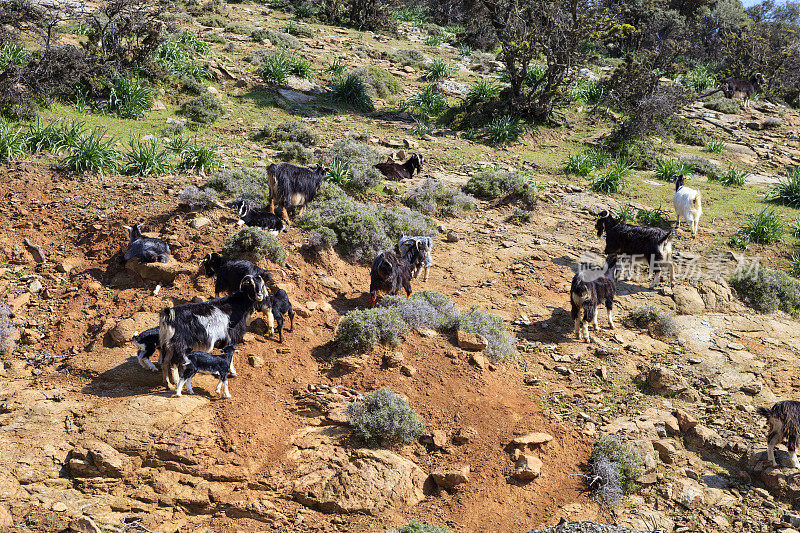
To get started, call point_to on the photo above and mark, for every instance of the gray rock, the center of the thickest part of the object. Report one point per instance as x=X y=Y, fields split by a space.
x=585 y=527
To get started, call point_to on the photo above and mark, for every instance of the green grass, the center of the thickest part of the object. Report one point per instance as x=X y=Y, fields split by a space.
x=12 y=142
x=654 y=217
x=131 y=97
x=763 y=227
x=482 y=90
x=93 y=152
x=145 y=158
x=438 y=70
x=714 y=147
x=430 y=102
x=504 y=130
x=585 y=162
x=352 y=92
x=732 y=177
x=787 y=192
x=668 y=169
x=199 y=157
x=700 y=78
x=614 y=180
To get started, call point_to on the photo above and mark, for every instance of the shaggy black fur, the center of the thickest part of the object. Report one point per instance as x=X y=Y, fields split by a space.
x=145 y=249
x=201 y=325
x=397 y=172
x=784 y=422
x=261 y=218
x=390 y=273
x=206 y=363
x=589 y=290
x=148 y=342
x=734 y=87
x=228 y=275
x=291 y=186
x=280 y=306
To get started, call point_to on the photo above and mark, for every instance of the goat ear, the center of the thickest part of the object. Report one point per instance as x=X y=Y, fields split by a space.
x=247 y=281
x=604 y=213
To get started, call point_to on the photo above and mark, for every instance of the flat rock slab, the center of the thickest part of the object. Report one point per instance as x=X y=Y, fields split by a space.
x=295 y=97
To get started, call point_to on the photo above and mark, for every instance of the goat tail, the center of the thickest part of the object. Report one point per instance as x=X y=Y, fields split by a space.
x=764 y=411
x=697 y=202
x=166 y=325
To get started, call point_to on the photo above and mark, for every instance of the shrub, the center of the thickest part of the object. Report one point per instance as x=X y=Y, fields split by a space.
x=501 y=344
x=700 y=78
x=415 y=14
x=378 y=81
x=130 y=97
x=787 y=192
x=491 y=184
x=92 y=153
x=685 y=132
x=767 y=290
x=177 y=56
x=213 y=21
x=714 y=146
x=384 y=416
x=669 y=169
x=615 y=466
x=583 y=163
x=438 y=70
x=12 y=143
x=761 y=228
x=198 y=199
x=204 y=109
x=282 y=40
x=199 y=157
x=256 y=244
x=732 y=177
x=430 y=101
x=294 y=151
x=322 y=239
x=361 y=329
x=244 y=183
x=702 y=165
x=8 y=331
x=358 y=160
x=657 y=321
x=519 y=216
x=503 y=130
x=288 y=131
x=482 y=90
x=723 y=105
x=146 y=157
x=410 y=58
x=292 y=28
x=420 y=527
x=425 y=309
x=432 y=197
x=352 y=92
x=612 y=181
x=239 y=29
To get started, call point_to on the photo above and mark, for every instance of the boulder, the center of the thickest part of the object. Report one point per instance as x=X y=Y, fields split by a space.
x=96 y=458
x=159 y=272
x=527 y=467
x=453 y=88
x=668 y=451
x=393 y=359
x=532 y=439
x=685 y=420
x=465 y=435
x=451 y=477
x=472 y=342
x=124 y=330
x=84 y=524
x=688 y=300
x=349 y=364
x=667 y=383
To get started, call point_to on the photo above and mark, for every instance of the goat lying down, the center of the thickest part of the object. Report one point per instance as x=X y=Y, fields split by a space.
x=417 y=253
x=688 y=204
x=200 y=326
x=589 y=290
x=784 y=423
x=651 y=246
x=291 y=186
x=390 y=273
x=261 y=218
x=145 y=249
x=147 y=341
x=206 y=363
x=229 y=274
x=397 y=172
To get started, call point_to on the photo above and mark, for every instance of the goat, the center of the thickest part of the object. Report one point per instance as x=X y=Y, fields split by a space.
x=228 y=275
x=291 y=186
x=589 y=289
x=200 y=326
x=261 y=219
x=147 y=342
x=417 y=253
x=688 y=204
x=206 y=363
x=784 y=423
x=389 y=273
x=652 y=245
x=279 y=306
x=145 y=249
x=736 y=88
x=397 y=172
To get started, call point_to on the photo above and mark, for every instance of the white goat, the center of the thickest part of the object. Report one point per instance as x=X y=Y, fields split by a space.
x=688 y=204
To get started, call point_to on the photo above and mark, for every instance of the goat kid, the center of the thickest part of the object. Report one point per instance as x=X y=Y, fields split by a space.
x=279 y=306
x=206 y=363
x=784 y=423
x=261 y=219
x=688 y=204
x=145 y=249
x=417 y=253
x=147 y=341
x=229 y=274
x=389 y=273
x=291 y=186
x=651 y=246
x=590 y=289
x=398 y=172
x=200 y=326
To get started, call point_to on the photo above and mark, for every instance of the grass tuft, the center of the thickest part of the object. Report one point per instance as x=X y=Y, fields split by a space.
x=614 y=180
x=92 y=152
x=787 y=192
x=352 y=92
x=145 y=158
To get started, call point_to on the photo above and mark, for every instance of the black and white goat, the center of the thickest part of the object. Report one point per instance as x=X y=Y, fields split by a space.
x=739 y=88
x=291 y=186
x=145 y=249
x=206 y=363
x=652 y=246
x=589 y=290
x=147 y=341
x=279 y=306
x=417 y=253
x=200 y=326
x=397 y=172
x=784 y=423
x=390 y=273
x=261 y=218
x=229 y=274
x=688 y=204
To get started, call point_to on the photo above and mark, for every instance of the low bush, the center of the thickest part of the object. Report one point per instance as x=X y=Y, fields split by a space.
x=8 y=331
x=277 y=38
x=249 y=184
x=200 y=157
x=205 y=109
x=421 y=527
x=199 y=199
x=354 y=163
x=732 y=177
x=438 y=70
x=144 y=158
x=239 y=29
x=723 y=105
x=504 y=130
x=292 y=28
x=351 y=92
x=383 y=416
x=700 y=78
x=615 y=468
x=213 y=21
x=501 y=344
x=12 y=142
x=685 y=132
x=430 y=101
x=323 y=239
x=425 y=309
x=590 y=92
x=763 y=227
x=93 y=152
x=520 y=216
x=702 y=165
x=767 y=290
x=361 y=329
x=657 y=321
x=432 y=197
x=379 y=82
x=294 y=151
x=614 y=180
x=130 y=97
x=482 y=90
x=410 y=58
x=491 y=184
x=254 y=244
x=668 y=169
x=787 y=192
x=288 y=131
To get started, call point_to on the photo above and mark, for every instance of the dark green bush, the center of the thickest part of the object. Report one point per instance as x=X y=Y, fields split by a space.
x=492 y=184
x=361 y=329
x=787 y=192
x=288 y=131
x=767 y=290
x=380 y=82
x=204 y=109
x=352 y=92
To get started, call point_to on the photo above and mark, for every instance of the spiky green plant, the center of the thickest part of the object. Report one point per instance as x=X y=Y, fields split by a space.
x=422 y=126
x=482 y=90
x=12 y=53
x=732 y=177
x=338 y=172
x=276 y=67
x=430 y=102
x=201 y=158
x=614 y=180
x=668 y=169
x=351 y=92
x=438 y=70
x=627 y=214
x=130 y=97
x=504 y=130
x=12 y=142
x=93 y=152
x=763 y=227
x=146 y=157
x=714 y=146
x=336 y=68
x=787 y=192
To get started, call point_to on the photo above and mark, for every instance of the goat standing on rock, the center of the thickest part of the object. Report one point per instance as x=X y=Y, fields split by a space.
x=397 y=172
x=590 y=289
x=688 y=204
x=738 y=88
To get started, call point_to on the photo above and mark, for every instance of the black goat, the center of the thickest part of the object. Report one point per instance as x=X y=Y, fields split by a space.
x=640 y=243
x=390 y=273
x=397 y=172
x=206 y=363
x=147 y=342
x=590 y=289
x=280 y=305
x=784 y=423
x=739 y=88
x=200 y=326
x=291 y=186
x=145 y=249
x=261 y=218
x=228 y=275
